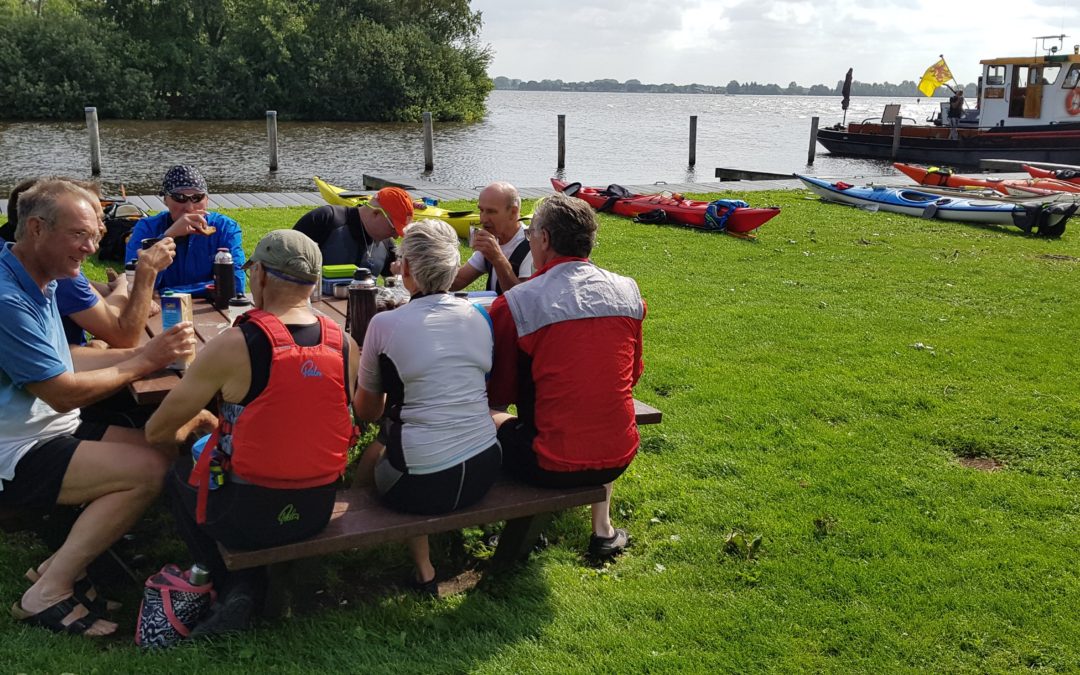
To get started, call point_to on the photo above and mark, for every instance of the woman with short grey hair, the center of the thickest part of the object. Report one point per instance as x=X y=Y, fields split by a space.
x=422 y=371
x=432 y=248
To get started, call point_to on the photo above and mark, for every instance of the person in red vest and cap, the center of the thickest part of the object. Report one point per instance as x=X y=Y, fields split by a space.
x=284 y=380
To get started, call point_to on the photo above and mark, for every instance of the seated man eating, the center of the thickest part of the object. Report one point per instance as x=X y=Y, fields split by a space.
x=198 y=233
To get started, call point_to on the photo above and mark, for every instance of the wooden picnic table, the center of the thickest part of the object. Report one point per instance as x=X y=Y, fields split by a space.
x=209 y=323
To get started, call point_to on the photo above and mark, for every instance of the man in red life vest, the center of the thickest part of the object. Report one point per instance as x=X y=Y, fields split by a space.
x=568 y=352
x=284 y=379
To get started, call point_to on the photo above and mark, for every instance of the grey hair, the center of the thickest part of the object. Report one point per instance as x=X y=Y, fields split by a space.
x=513 y=199
x=431 y=248
x=570 y=224
x=45 y=198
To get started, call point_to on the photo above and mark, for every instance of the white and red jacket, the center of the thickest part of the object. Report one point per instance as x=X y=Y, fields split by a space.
x=568 y=352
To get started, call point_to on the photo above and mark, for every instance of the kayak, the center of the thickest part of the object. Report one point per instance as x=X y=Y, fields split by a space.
x=461 y=221
x=1068 y=175
x=1013 y=186
x=1047 y=219
x=673 y=208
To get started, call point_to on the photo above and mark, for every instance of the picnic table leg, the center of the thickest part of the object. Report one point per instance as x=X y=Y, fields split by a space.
x=517 y=539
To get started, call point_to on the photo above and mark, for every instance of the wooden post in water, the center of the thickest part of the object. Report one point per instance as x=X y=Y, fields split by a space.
x=95 y=141
x=562 y=142
x=813 y=141
x=693 y=140
x=896 y=136
x=429 y=144
x=271 y=136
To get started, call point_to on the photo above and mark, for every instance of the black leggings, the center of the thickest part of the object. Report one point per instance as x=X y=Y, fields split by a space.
x=243 y=516
x=440 y=492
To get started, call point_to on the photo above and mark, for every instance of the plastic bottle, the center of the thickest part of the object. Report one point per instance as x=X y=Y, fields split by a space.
x=362 y=294
x=129 y=272
x=224 y=279
x=198 y=575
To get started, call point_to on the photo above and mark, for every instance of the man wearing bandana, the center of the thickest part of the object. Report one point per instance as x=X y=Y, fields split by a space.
x=198 y=233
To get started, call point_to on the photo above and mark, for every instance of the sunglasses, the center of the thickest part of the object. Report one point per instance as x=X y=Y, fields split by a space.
x=532 y=231
x=184 y=199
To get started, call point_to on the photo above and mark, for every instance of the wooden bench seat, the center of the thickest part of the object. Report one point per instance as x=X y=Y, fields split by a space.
x=361 y=520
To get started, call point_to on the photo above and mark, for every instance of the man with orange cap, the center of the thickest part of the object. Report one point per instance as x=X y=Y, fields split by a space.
x=360 y=235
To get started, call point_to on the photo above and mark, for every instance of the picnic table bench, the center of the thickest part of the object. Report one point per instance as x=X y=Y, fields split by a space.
x=360 y=520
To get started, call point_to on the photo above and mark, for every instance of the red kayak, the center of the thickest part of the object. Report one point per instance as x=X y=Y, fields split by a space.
x=726 y=216
x=1067 y=175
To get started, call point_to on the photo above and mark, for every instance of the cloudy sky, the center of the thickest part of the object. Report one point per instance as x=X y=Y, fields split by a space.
x=778 y=41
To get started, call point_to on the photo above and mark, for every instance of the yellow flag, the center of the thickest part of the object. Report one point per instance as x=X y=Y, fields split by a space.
x=935 y=76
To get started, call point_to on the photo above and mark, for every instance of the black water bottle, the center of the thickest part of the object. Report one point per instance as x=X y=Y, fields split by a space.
x=362 y=293
x=224 y=279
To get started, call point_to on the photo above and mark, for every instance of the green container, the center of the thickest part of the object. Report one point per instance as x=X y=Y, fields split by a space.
x=338 y=271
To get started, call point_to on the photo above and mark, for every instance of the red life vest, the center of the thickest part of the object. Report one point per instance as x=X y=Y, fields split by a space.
x=297 y=432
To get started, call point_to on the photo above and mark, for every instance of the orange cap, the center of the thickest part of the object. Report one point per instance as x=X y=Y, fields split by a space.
x=397 y=205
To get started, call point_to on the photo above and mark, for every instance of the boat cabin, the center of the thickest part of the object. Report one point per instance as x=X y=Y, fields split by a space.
x=1030 y=90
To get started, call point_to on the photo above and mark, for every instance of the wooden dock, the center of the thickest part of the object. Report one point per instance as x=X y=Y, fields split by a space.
x=443 y=193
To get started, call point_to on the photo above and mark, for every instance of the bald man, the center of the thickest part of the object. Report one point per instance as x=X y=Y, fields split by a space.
x=501 y=250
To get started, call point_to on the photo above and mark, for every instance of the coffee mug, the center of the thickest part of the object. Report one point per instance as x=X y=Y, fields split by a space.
x=472 y=235
x=150 y=241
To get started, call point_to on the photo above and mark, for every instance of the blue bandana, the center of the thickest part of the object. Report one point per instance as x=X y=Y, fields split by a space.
x=183 y=177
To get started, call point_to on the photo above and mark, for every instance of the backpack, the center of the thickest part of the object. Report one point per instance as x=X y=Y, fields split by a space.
x=171 y=607
x=718 y=212
x=120 y=218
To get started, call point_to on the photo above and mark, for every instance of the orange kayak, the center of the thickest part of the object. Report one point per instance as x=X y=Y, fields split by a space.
x=1020 y=187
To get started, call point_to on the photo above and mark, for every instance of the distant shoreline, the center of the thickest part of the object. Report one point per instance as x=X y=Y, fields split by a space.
x=906 y=89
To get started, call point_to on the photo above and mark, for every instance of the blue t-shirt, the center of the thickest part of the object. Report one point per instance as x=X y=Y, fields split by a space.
x=72 y=296
x=194 y=262
x=32 y=349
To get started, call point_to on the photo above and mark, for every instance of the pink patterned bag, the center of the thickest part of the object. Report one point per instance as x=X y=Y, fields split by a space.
x=171 y=607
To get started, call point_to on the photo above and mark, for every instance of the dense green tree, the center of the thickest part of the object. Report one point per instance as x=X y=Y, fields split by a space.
x=333 y=59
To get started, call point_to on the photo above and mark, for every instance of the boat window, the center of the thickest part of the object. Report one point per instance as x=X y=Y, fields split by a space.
x=1072 y=78
x=995 y=76
x=1050 y=74
x=1022 y=76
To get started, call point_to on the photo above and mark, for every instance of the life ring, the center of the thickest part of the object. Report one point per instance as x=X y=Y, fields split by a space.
x=1072 y=102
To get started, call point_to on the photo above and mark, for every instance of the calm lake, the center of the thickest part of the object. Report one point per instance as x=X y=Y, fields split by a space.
x=610 y=138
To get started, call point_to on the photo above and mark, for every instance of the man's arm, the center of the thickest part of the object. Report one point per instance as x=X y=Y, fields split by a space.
x=102 y=372
x=120 y=321
x=488 y=246
x=466 y=274
x=205 y=377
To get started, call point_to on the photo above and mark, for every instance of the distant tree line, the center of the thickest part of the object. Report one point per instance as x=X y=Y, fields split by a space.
x=906 y=89
x=377 y=60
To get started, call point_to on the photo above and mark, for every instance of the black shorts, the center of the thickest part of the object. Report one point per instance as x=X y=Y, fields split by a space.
x=39 y=475
x=245 y=516
x=519 y=460
x=440 y=492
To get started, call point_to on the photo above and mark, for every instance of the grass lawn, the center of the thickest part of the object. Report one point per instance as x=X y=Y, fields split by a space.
x=822 y=388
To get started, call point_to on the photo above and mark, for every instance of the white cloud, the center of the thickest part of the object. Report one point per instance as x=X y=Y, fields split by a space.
x=714 y=41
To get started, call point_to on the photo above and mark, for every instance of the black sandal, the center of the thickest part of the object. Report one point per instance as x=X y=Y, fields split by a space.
x=53 y=617
x=82 y=590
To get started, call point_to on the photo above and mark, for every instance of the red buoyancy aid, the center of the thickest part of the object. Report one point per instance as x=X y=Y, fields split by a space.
x=275 y=443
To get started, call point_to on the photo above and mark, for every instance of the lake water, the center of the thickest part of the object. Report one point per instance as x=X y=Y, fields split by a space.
x=610 y=138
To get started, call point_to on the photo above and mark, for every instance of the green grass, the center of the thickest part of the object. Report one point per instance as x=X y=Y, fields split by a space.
x=797 y=406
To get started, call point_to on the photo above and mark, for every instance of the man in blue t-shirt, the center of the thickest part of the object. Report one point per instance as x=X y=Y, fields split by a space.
x=198 y=233
x=48 y=455
x=114 y=314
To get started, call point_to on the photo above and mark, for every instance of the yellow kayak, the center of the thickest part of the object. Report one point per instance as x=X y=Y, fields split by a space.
x=461 y=221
